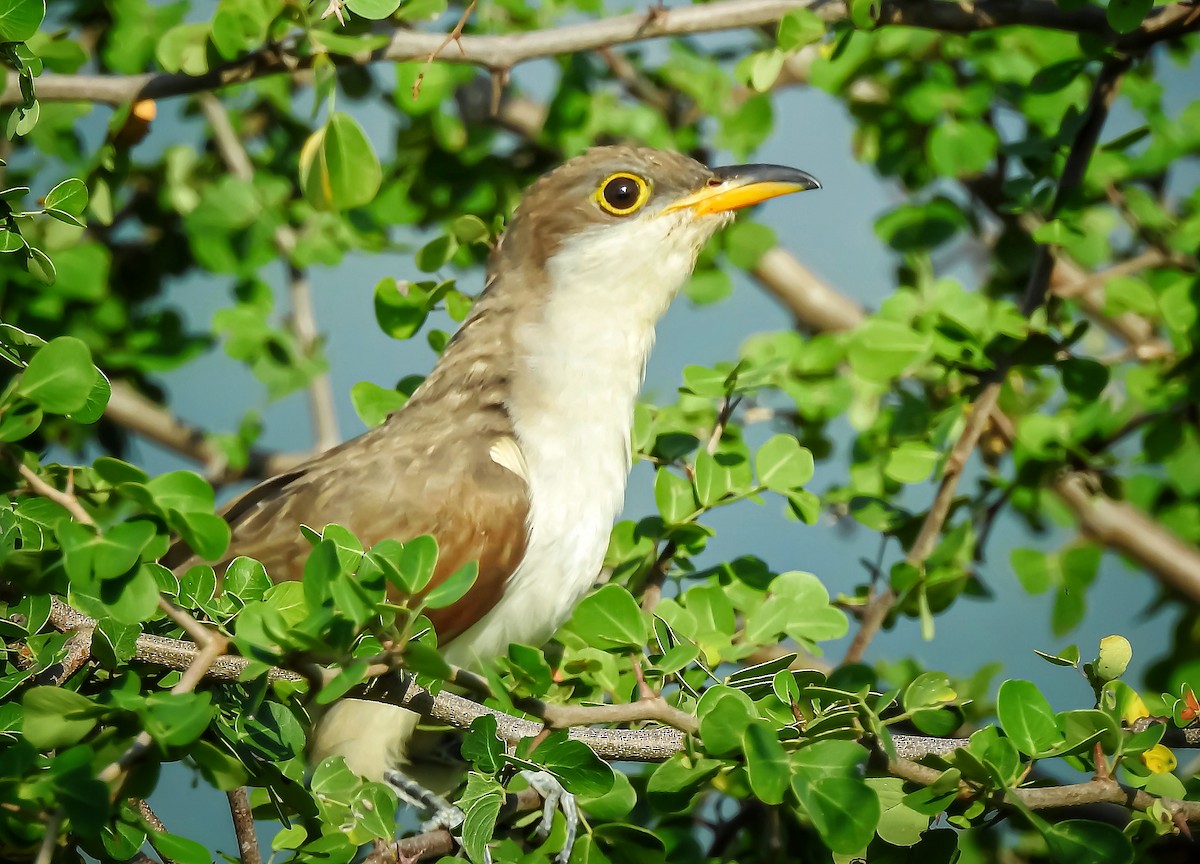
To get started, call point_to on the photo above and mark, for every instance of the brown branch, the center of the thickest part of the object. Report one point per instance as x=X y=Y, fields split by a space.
x=243 y=825
x=440 y=842
x=79 y=651
x=655 y=709
x=304 y=326
x=809 y=299
x=1124 y=528
x=503 y=52
x=153 y=824
x=145 y=417
x=45 y=853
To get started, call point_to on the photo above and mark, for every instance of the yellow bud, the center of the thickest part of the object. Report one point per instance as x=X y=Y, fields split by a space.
x=1159 y=759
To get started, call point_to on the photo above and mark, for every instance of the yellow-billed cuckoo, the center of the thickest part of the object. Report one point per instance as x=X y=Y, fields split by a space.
x=515 y=451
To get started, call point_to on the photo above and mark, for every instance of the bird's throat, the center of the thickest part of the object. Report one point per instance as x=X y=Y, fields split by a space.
x=579 y=355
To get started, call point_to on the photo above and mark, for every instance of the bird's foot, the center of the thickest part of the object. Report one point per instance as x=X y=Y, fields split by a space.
x=554 y=797
x=443 y=814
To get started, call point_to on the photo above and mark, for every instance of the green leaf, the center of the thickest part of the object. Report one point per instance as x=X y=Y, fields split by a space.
x=1125 y=16
x=1032 y=568
x=882 y=350
x=611 y=618
x=798 y=605
x=1027 y=718
x=481 y=746
x=184 y=49
x=674 y=497
x=181 y=849
x=400 y=307
x=1080 y=841
x=89 y=555
x=911 y=462
x=56 y=718
x=175 y=719
x=705 y=382
x=338 y=166
x=375 y=10
x=580 y=771
x=470 y=229
x=929 y=690
x=766 y=762
x=97 y=400
x=453 y=588
x=961 y=148
x=783 y=464
x=724 y=714
x=1084 y=378
x=70 y=195
x=844 y=810
x=708 y=286
x=435 y=254
x=675 y=782
x=745 y=241
x=713 y=482
x=184 y=491
x=11 y=241
x=417 y=562
x=615 y=804
x=41 y=267
x=20 y=421
x=918 y=227
x=373 y=403
x=20 y=19
x=1113 y=659
x=60 y=376
x=798 y=28
x=480 y=803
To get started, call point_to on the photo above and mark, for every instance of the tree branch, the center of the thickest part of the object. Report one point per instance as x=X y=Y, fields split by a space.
x=243 y=825
x=145 y=417
x=502 y=52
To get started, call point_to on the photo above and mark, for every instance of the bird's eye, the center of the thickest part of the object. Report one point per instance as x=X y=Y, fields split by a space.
x=622 y=194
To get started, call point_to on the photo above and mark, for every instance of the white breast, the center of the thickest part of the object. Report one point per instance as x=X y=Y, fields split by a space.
x=572 y=405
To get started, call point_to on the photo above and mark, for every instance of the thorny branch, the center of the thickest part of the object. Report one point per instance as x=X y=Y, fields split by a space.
x=501 y=53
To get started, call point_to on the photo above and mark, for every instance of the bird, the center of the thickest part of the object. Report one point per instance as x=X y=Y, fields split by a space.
x=515 y=450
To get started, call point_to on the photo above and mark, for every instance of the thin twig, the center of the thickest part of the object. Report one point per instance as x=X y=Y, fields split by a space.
x=304 y=324
x=65 y=499
x=50 y=839
x=502 y=52
x=133 y=411
x=454 y=35
x=243 y=825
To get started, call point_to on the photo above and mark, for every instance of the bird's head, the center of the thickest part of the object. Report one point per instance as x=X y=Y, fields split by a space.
x=623 y=214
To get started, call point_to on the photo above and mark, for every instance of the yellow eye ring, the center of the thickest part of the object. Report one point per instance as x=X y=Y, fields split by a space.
x=621 y=194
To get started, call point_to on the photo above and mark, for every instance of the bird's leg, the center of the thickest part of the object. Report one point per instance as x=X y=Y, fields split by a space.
x=554 y=797
x=443 y=814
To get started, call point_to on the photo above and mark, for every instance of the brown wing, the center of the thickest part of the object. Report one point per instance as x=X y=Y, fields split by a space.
x=424 y=471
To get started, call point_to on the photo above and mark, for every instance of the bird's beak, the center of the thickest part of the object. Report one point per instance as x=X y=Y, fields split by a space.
x=742 y=185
